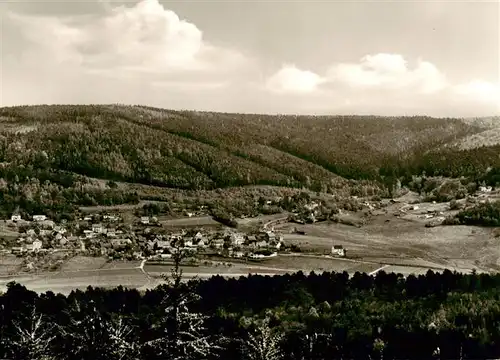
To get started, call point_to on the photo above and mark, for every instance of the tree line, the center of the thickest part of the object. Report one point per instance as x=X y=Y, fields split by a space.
x=196 y=150
x=318 y=316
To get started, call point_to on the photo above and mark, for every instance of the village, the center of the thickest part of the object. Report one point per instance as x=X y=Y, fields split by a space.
x=107 y=235
x=116 y=235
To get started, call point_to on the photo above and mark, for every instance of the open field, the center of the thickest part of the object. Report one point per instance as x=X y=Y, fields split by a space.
x=122 y=207
x=315 y=263
x=9 y=264
x=404 y=242
x=235 y=268
x=66 y=281
x=133 y=277
x=260 y=220
x=78 y=263
x=189 y=221
x=7 y=231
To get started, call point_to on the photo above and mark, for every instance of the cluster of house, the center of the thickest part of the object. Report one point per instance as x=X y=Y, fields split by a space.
x=485 y=189
x=229 y=243
x=43 y=231
x=104 y=229
x=17 y=218
x=104 y=233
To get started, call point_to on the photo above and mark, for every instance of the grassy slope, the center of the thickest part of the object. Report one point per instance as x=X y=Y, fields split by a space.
x=203 y=150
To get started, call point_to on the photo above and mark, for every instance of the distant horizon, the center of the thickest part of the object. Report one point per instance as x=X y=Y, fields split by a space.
x=307 y=58
x=493 y=116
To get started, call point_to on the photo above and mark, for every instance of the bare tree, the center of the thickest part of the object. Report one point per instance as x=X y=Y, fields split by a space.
x=263 y=343
x=120 y=336
x=184 y=335
x=32 y=338
x=89 y=335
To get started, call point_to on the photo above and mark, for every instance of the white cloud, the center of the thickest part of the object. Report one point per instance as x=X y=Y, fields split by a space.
x=144 y=38
x=388 y=71
x=290 y=79
x=481 y=91
x=144 y=53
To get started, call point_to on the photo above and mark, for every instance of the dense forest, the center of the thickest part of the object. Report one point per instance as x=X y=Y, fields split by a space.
x=193 y=150
x=487 y=214
x=316 y=316
x=54 y=159
x=48 y=153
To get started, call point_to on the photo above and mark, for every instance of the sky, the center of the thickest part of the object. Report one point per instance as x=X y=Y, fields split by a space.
x=436 y=58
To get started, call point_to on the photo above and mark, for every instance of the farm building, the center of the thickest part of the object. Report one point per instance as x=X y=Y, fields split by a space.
x=237 y=238
x=98 y=228
x=218 y=243
x=39 y=217
x=338 y=250
x=35 y=246
x=120 y=243
x=162 y=244
x=16 y=217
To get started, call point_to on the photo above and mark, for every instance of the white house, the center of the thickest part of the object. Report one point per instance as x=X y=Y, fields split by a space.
x=200 y=240
x=237 y=238
x=338 y=250
x=37 y=245
x=145 y=219
x=262 y=244
x=87 y=218
x=39 y=217
x=110 y=217
x=271 y=236
x=218 y=243
x=60 y=229
x=16 y=217
x=276 y=244
x=98 y=228
x=31 y=232
x=485 y=189
x=311 y=206
x=162 y=244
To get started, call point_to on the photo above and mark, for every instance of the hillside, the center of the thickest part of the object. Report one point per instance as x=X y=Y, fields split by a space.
x=489 y=137
x=204 y=150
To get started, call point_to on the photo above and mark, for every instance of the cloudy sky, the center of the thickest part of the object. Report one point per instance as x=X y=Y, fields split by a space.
x=439 y=58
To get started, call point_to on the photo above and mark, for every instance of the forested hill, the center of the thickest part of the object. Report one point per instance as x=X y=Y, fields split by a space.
x=204 y=150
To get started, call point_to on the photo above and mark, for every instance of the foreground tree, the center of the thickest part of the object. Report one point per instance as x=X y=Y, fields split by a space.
x=32 y=338
x=183 y=332
x=88 y=335
x=263 y=343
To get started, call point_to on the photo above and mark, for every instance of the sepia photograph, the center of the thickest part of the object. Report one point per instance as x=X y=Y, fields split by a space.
x=249 y=179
